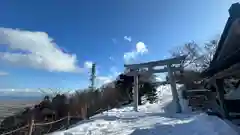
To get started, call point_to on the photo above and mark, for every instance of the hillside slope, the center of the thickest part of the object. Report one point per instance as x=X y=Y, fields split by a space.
x=152 y=119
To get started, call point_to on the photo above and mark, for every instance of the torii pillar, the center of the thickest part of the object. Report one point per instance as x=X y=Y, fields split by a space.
x=135 y=92
x=174 y=89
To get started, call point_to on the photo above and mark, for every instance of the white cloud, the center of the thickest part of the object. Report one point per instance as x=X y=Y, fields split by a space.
x=40 y=51
x=108 y=78
x=104 y=79
x=114 y=71
x=2 y=73
x=25 y=92
x=88 y=64
x=139 y=50
x=128 y=56
x=129 y=39
x=19 y=91
x=111 y=58
x=114 y=40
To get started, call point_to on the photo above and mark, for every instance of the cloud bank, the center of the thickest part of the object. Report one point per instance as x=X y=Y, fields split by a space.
x=35 y=49
x=2 y=73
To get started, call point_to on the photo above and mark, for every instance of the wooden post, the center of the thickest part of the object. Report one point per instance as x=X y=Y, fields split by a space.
x=174 y=89
x=135 y=88
x=219 y=84
x=31 y=124
x=84 y=111
x=68 y=120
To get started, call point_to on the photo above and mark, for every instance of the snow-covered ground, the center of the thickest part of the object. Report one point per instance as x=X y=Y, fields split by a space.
x=151 y=119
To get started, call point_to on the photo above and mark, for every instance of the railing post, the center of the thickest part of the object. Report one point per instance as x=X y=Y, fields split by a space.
x=68 y=120
x=31 y=124
x=83 y=111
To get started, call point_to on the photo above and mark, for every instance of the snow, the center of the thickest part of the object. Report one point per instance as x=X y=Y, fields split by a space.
x=151 y=119
x=233 y=94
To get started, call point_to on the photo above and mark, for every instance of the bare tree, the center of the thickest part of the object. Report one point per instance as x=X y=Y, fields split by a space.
x=210 y=49
x=191 y=50
x=198 y=56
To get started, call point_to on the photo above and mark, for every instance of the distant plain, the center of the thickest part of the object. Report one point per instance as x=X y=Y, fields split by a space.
x=9 y=107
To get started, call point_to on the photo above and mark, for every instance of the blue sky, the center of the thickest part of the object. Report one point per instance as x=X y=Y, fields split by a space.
x=51 y=43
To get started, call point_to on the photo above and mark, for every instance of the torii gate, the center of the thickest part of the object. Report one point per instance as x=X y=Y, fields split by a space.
x=168 y=63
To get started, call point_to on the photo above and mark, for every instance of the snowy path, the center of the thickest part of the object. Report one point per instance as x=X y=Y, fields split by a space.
x=150 y=120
